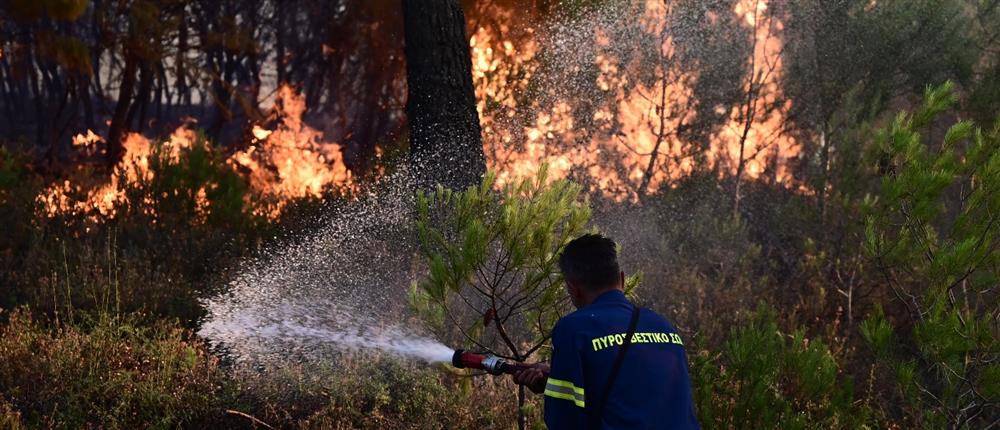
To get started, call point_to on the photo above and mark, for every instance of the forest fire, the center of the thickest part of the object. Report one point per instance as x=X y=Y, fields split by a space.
x=103 y=201
x=633 y=143
x=292 y=161
x=262 y=213
x=624 y=134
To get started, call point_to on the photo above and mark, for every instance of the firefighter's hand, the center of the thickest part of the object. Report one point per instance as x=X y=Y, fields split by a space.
x=533 y=377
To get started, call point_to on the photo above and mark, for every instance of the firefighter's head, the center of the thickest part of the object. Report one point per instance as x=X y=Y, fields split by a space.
x=589 y=265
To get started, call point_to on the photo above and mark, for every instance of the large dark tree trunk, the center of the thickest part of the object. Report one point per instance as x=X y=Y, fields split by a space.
x=118 y=121
x=445 y=140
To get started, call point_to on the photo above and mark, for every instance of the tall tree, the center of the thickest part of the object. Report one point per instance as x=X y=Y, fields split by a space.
x=847 y=61
x=445 y=137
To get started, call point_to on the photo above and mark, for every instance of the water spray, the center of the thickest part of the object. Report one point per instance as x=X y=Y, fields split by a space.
x=490 y=363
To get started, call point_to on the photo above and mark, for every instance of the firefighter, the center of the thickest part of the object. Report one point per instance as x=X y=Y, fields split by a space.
x=614 y=365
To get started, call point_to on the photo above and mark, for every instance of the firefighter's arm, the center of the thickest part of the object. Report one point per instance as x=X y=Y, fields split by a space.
x=564 y=388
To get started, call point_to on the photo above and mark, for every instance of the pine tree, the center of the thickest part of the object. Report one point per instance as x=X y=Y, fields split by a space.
x=934 y=233
x=493 y=256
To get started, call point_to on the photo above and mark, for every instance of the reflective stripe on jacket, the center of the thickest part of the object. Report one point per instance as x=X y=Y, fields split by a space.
x=653 y=389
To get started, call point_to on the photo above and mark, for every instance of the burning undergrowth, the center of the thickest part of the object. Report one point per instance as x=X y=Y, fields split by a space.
x=278 y=165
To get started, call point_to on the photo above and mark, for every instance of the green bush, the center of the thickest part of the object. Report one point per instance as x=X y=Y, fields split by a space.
x=105 y=371
x=391 y=395
x=193 y=187
x=10 y=173
x=368 y=392
x=17 y=212
x=766 y=378
x=709 y=265
x=493 y=281
x=163 y=249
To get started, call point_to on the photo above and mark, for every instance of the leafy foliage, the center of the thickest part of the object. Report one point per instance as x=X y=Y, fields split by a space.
x=109 y=371
x=10 y=173
x=493 y=280
x=493 y=261
x=933 y=233
x=765 y=378
x=194 y=185
x=185 y=215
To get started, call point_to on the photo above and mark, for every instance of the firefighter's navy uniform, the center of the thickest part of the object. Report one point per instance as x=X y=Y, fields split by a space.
x=652 y=389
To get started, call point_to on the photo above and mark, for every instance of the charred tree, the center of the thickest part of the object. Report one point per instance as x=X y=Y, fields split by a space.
x=445 y=141
x=118 y=122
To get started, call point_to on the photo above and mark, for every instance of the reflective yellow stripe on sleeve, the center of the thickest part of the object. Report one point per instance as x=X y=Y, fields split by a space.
x=565 y=390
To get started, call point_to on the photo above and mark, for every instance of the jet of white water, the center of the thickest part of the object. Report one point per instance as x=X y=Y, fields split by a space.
x=288 y=329
x=337 y=290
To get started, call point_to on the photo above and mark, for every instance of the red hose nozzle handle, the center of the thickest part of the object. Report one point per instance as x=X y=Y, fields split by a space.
x=490 y=363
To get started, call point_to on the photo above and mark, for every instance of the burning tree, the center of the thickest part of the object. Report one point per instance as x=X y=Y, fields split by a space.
x=493 y=281
x=629 y=96
x=757 y=120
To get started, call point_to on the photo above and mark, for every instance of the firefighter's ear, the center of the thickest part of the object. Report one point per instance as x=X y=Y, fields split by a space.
x=621 y=280
x=575 y=293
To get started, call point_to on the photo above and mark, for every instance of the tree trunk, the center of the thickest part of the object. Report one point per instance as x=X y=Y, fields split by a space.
x=83 y=88
x=184 y=95
x=141 y=103
x=824 y=163
x=445 y=139
x=118 y=126
x=661 y=135
x=741 y=166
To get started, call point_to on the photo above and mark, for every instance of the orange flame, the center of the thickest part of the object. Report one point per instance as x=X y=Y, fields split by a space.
x=289 y=162
x=641 y=154
x=628 y=148
x=103 y=201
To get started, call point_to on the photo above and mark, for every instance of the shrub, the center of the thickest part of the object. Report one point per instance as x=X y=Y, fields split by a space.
x=183 y=220
x=105 y=371
x=368 y=393
x=192 y=186
x=10 y=419
x=493 y=259
x=765 y=378
x=393 y=395
x=710 y=268
x=17 y=193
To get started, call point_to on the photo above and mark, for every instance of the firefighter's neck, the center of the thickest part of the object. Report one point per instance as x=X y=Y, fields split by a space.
x=582 y=296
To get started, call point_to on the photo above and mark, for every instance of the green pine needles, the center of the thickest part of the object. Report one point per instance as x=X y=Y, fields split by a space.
x=763 y=377
x=493 y=282
x=942 y=264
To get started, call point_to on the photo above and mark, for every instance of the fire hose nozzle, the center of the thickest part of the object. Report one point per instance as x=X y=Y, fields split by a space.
x=490 y=363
